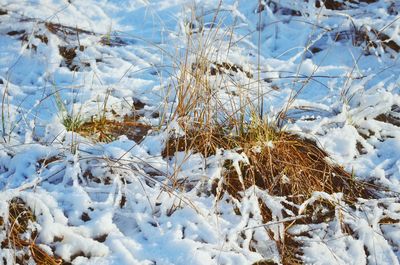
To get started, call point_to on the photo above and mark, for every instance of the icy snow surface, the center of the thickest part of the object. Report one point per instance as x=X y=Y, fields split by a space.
x=125 y=52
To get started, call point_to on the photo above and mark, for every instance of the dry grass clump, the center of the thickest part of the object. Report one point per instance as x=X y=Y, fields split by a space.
x=285 y=165
x=108 y=125
x=203 y=141
x=295 y=168
x=21 y=238
x=105 y=130
x=281 y=163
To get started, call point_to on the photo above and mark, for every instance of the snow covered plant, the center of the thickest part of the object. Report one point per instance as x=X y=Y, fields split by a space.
x=199 y=132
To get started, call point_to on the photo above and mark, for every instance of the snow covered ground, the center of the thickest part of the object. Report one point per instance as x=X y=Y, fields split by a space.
x=116 y=202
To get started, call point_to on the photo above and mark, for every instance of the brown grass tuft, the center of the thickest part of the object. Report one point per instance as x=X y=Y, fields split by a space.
x=296 y=168
x=281 y=163
x=290 y=166
x=204 y=142
x=105 y=130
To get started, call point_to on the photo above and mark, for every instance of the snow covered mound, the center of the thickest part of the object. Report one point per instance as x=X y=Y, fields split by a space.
x=92 y=92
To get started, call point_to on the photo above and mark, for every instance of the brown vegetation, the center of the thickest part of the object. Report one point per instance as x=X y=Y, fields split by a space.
x=287 y=166
x=105 y=130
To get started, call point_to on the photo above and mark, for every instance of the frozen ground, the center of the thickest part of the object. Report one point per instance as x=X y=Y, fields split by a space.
x=116 y=203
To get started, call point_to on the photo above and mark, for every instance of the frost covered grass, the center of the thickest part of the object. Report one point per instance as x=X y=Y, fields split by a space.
x=215 y=132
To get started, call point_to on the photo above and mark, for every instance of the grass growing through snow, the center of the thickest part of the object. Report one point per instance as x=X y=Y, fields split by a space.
x=280 y=162
x=72 y=121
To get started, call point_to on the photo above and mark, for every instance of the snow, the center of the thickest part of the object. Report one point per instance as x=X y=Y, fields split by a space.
x=143 y=208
